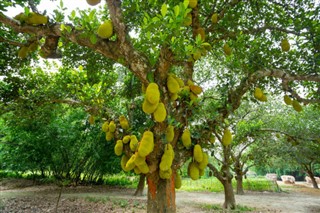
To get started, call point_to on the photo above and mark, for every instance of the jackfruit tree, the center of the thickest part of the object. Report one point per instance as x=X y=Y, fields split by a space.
x=195 y=60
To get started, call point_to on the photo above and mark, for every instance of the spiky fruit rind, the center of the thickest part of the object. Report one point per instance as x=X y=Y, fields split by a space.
x=258 y=93
x=149 y=108
x=203 y=164
x=161 y=113
x=186 y=138
x=177 y=181
x=23 y=52
x=227 y=50
x=105 y=30
x=130 y=163
x=133 y=143
x=172 y=84
x=165 y=174
x=118 y=148
x=36 y=19
x=123 y=122
x=109 y=136
x=124 y=160
x=197 y=153
x=93 y=2
x=139 y=160
x=296 y=106
x=144 y=168
x=287 y=100
x=193 y=171
x=170 y=133
x=112 y=126
x=147 y=144
x=167 y=158
x=227 y=137
x=214 y=18
x=285 y=45
x=152 y=93
x=126 y=139
x=193 y=3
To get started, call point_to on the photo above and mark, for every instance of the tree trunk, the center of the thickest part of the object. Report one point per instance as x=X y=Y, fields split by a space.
x=161 y=194
x=229 y=199
x=140 y=187
x=314 y=182
x=239 y=179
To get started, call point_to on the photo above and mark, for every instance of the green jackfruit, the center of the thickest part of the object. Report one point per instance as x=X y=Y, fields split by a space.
x=186 y=138
x=130 y=163
x=109 y=136
x=105 y=126
x=193 y=3
x=285 y=45
x=169 y=133
x=227 y=50
x=118 y=148
x=174 y=96
x=201 y=172
x=139 y=160
x=203 y=164
x=200 y=31
x=167 y=158
x=33 y=46
x=144 y=168
x=149 y=108
x=137 y=170
x=112 y=126
x=296 y=106
x=212 y=139
x=177 y=181
x=23 y=52
x=91 y=119
x=258 y=93
x=147 y=144
x=123 y=122
x=193 y=171
x=133 y=143
x=287 y=100
x=227 y=137
x=165 y=174
x=197 y=153
x=214 y=18
x=124 y=160
x=153 y=94
x=105 y=30
x=161 y=113
x=126 y=139
x=36 y=19
x=172 y=84
x=188 y=20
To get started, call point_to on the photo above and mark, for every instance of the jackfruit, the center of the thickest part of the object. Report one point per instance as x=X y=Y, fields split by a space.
x=287 y=100
x=152 y=93
x=180 y=81
x=33 y=46
x=193 y=171
x=227 y=137
x=203 y=164
x=130 y=163
x=172 y=84
x=200 y=31
x=201 y=172
x=186 y=88
x=193 y=97
x=227 y=50
x=193 y=3
x=264 y=98
x=177 y=181
x=161 y=113
x=137 y=170
x=258 y=93
x=186 y=138
x=105 y=126
x=149 y=108
x=139 y=160
x=165 y=174
x=144 y=168
x=174 y=96
x=91 y=119
x=21 y=17
x=196 y=55
x=197 y=153
x=112 y=126
x=189 y=82
x=188 y=20
x=118 y=148
x=109 y=136
x=36 y=19
x=296 y=106
x=23 y=52
x=167 y=158
x=123 y=122
x=196 y=89
x=285 y=45
x=93 y=2
x=169 y=133
x=214 y=18
x=124 y=160
x=147 y=144
x=133 y=143
x=212 y=139
x=126 y=139
x=105 y=30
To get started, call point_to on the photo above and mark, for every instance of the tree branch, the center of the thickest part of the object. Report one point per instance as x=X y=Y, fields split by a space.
x=14 y=43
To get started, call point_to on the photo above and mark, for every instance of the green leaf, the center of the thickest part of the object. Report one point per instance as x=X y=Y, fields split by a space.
x=26 y=10
x=164 y=9
x=176 y=10
x=150 y=76
x=186 y=3
x=93 y=38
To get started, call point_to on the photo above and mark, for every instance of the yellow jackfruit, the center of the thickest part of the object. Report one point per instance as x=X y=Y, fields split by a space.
x=193 y=171
x=105 y=126
x=118 y=148
x=227 y=50
x=287 y=100
x=91 y=119
x=124 y=160
x=93 y=2
x=137 y=170
x=139 y=160
x=197 y=153
x=123 y=122
x=165 y=174
x=169 y=133
x=258 y=93
x=188 y=20
x=161 y=113
x=193 y=3
x=144 y=168
x=147 y=144
x=126 y=139
x=133 y=143
x=227 y=137
x=177 y=181
x=36 y=19
x=105 y=30
x=174 y=96
x=109 y=136
x=186 y=138
x=23 y=52
x=214 y=18
x=196 y=89
x=167 y=158
x=112 y=126
x=130 y=163
x=285 y=45
x=172 y=84
x=200 y=31
x=152 y=93
x=203 y=164
x=296 y=106
x=149 y=108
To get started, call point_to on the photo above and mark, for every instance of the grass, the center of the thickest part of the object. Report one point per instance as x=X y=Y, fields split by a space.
x=218 y=208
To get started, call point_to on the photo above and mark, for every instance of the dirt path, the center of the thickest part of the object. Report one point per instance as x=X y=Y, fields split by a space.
x=111 y=199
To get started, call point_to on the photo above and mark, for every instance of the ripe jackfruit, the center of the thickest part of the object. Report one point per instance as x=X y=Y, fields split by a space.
x=118 y=148
x=172 y=84
x=23 y=52
x=193 y=3
x=197 y=153
x=161 y=113
x=36 y=19
x=124 y=160
x=285 y=45
x=105 y=30
x=227 y=137
x=227 y=50
x=91 y=119
x=93 y=2
x=165 y=174
x=188 y=20
x=196 y=89
x=203 y=164
x=167 y=158
x=112 y=126
x=133 y=143
x=130 y=163
x=287 y=100
x=126 y=139
x=169 y=133
x=144 y=168
x=186 y=138
x=152 y=93
x=200 y=31
x=109 y=136
x=105 y=126
x=258 y=93
x=149 y=108
x=214 y=18
x=123 y=122
x=193 y=171
x=177 y=181
x=296 y=106
x=146 y=144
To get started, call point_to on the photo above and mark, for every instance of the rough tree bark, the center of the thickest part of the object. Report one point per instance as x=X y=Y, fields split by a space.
x=311 y=175
x=229 y=199
x=239 y=179
x=140 y=187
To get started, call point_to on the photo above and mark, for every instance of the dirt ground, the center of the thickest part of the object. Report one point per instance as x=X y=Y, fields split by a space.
x=23 y=196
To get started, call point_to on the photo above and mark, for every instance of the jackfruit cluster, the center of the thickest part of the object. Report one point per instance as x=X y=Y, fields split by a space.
x=109 y=129
x=226 y=137
x=105 y=30
x=259 y=95
x=146 y=144
x=174 y=85
x=192 y=90
x=196 y=169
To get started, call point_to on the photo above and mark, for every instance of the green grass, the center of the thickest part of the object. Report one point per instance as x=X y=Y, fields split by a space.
x=218 y=208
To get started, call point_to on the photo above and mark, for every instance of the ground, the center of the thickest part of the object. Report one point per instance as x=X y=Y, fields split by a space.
x=24 y=196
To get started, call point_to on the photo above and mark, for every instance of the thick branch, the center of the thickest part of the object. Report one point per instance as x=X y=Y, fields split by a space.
x=216 y=172
x=14 y=43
